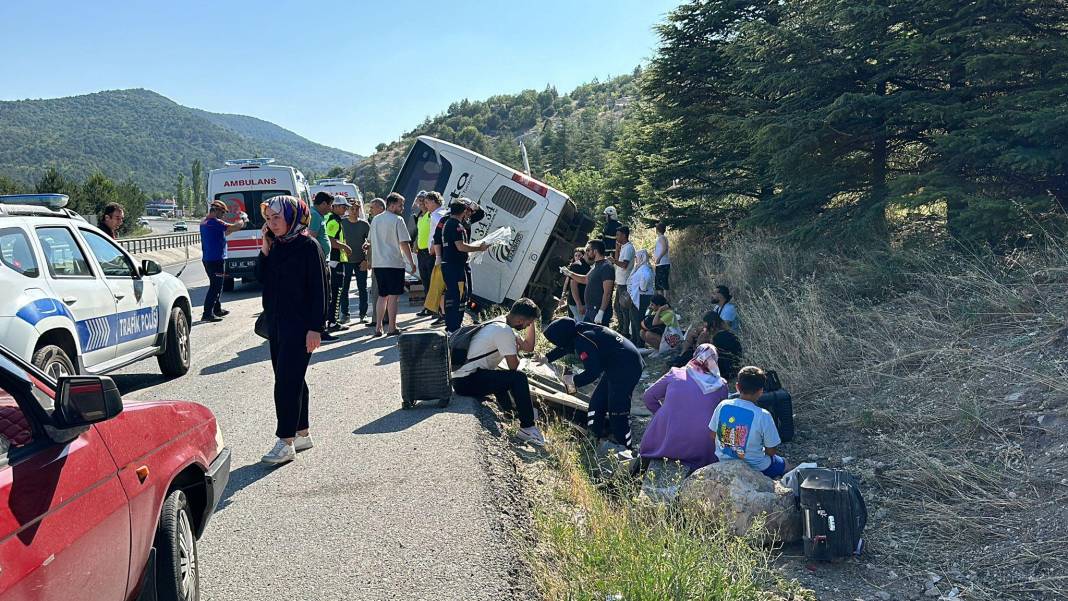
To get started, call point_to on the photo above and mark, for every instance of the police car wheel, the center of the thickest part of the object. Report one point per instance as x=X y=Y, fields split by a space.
x=53 y=361
x=175 y=360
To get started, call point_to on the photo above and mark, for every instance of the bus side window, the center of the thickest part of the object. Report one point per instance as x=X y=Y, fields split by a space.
x=513 y=201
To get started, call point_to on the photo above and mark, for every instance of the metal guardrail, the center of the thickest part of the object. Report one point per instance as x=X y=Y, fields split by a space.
x=148 y=244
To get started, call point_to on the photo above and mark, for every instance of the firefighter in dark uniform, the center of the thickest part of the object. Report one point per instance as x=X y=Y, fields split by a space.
x=606 y=355
x=608 y=233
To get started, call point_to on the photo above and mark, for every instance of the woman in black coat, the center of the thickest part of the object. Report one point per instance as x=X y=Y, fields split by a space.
x=293 y=273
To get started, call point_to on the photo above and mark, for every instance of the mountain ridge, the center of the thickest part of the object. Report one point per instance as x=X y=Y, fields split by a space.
x=144 y=136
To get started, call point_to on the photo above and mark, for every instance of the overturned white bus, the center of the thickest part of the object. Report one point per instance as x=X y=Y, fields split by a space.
x=548 y=226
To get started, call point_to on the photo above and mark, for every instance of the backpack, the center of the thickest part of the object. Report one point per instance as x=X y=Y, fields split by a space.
x=460 y=344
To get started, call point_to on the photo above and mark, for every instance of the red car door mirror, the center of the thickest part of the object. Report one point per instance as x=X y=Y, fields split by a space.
x=85 y=400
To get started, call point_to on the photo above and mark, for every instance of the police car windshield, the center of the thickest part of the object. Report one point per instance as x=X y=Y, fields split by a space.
x=424 y=170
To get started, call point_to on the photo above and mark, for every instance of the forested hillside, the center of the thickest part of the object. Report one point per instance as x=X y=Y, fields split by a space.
x=565 y=134
x=141 y=136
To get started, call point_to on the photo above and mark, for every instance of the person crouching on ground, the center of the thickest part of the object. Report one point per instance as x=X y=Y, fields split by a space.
x=660 y=318
x=482 y=375
x=728 y=346
x=742 y=430
x=608 y=358
x=683 y=402
x=293 y=273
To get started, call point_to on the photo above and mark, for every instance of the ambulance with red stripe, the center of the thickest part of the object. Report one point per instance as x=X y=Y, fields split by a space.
x=337 y=186
x=243 y=184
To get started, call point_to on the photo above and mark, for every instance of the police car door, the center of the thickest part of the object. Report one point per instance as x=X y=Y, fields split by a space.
x=136 y=318
x=85 y=297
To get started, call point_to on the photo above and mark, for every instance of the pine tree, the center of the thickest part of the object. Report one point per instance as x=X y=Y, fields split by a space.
x=198 y=189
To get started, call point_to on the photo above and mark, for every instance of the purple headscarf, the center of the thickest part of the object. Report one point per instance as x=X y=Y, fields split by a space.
x=293 y=210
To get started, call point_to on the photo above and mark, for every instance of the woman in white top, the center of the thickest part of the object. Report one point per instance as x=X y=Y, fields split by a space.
x=662 y=260
x=640 y=291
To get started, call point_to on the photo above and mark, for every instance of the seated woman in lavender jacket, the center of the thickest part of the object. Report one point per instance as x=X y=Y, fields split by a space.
x=682 y=403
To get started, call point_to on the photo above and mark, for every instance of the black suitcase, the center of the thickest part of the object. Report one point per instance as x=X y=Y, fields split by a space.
x=425 y=368
x=833 y=514
x=780 y=405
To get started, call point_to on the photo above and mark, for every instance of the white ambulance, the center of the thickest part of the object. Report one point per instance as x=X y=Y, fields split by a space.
x=243 y=184
x=338 y=186
x=546 y=222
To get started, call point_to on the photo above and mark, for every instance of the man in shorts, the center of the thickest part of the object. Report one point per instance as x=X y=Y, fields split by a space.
x=391 y=257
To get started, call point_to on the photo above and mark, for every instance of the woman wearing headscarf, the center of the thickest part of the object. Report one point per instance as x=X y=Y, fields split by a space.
x=640 y=289
x=291 y=269
x=682 y=402
x=608 y=359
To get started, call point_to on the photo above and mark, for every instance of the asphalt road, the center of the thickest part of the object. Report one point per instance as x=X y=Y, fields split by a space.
x=390 y=504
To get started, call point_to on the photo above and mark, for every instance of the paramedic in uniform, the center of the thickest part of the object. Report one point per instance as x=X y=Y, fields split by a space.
x=609 y=356
x=454 y=250
x=213 y=233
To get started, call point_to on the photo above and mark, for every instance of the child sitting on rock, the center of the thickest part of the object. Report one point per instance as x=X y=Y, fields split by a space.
x=742 y=430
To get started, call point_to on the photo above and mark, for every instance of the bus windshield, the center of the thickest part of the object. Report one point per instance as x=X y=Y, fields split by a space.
x=424 y=170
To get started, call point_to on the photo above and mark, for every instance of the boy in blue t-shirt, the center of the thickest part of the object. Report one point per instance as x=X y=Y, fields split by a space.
x=742 y=430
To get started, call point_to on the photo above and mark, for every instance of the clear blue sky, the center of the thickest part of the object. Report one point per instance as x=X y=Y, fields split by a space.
x=346 y=74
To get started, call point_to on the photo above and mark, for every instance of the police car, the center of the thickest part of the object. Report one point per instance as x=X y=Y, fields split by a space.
x=75 y=302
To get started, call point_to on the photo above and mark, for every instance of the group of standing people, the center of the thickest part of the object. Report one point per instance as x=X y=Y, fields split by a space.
x=610 y=278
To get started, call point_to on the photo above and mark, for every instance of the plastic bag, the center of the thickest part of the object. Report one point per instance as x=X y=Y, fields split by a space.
x=500 y=236
x=671 y=340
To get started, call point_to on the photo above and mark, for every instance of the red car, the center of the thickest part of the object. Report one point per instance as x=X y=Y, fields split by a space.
x=97 y=500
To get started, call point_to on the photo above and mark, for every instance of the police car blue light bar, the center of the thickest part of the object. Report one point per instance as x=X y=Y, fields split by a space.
x=249 y=162
x=52 y=201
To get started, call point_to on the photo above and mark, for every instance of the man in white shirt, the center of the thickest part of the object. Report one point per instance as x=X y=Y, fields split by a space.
x=391 y=256
x=624 y=262
x=496 y=341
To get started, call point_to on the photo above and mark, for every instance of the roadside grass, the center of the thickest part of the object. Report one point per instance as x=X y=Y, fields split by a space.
x=943 y=373
x=597 y=540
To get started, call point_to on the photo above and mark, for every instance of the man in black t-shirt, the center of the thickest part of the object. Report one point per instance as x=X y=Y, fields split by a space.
x=455 y=246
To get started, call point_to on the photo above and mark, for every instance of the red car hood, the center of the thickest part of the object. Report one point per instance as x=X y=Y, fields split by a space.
x=145 y=426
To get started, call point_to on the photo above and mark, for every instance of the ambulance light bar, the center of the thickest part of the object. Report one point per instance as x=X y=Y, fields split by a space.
x=51 y=201
x=332 y=180
x=248 y=162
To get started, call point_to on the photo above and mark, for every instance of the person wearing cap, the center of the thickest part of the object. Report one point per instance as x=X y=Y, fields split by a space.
x=608 y=233
x=455 y=246
x=213 y=233
x=339 y=255
x=609 y=359
x=422 y=240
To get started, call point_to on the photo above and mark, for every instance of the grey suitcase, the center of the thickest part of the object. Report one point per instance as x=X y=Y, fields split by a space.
x=425 y=368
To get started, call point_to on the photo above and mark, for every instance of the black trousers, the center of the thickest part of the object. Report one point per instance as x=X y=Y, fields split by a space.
x=337 y=286
x=610 y=402
x=509 y=387
x=289 y=360
x=425 y=262
x=636 y=315
x=453 y=275
x=216 y=275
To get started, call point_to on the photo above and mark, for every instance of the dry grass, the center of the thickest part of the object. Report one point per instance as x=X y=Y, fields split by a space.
x=932 y=369
x=598 y=541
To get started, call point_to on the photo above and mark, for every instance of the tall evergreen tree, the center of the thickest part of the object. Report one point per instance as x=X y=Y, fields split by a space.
x=198 y=188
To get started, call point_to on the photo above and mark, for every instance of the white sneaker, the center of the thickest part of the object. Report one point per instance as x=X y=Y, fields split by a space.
x=303 y=443
x=531 y=435
x=281 y=453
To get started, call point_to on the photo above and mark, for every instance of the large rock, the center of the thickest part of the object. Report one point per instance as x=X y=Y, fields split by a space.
x=743 y=494
x=662 y=480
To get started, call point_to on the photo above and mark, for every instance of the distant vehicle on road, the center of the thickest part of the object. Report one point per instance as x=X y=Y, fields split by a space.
x=243 y=184
x=75 y=302
x=180 y=226
x=338 y=186
x=141 y=221
x=102 y=500
x=547 y=223
x=162 y=207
